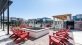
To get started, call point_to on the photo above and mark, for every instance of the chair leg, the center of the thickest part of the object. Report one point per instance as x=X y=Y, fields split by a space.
x=21 y=39
x=58 y=44
x=27 y=36
x=16 y=38
x=49 y=40
x=12 y=36
x=64 y=43
x=18 y=41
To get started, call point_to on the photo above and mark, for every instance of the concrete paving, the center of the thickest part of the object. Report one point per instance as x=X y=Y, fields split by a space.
x=44 y=40
x=77 y=37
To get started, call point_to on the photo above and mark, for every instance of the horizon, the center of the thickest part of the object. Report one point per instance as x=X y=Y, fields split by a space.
x=29 y=9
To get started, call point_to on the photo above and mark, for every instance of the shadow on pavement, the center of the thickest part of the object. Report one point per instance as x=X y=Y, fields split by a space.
x=13 y=43
x=4 y=40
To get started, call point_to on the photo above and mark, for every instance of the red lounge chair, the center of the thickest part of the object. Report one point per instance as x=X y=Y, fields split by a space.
x=63 y=30
x=62 y=34
x=27 y=26
x=12 y=28
x=21 y=26
x=16 y=33
x=22 y=37
x=41 y=26
x=48 y=26
x=55 y=40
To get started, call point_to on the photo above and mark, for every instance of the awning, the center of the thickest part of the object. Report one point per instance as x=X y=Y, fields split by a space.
x=62 y=17
x=4 y=5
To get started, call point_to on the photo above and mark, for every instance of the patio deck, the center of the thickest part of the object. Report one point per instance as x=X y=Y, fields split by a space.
x=44 y=40
x=75 y=38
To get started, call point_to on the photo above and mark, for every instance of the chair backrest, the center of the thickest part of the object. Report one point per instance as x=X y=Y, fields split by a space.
x=27 y=26
x=48 y=26
x=67 y=30
x=41 y=25
x=52 y=38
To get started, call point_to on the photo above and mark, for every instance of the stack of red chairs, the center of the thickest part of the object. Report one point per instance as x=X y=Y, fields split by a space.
x=19 y=35
x=60 y=37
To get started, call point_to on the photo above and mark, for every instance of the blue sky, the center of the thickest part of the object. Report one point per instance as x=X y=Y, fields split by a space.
x=28 y=9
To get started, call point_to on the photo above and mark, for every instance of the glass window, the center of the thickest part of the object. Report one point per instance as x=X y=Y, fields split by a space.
x=78 y=16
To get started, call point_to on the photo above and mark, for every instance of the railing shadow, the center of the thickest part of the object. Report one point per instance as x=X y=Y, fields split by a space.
x=13 y=43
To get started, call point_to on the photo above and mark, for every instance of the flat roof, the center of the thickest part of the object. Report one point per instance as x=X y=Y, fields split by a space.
x=62 y=17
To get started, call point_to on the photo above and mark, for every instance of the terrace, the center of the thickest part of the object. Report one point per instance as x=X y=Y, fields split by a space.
x=37 y=35
x=44 y=40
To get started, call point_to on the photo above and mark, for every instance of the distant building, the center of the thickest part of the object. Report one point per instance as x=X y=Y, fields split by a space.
x=39 y=20
x=12 y=20
x=74 y=18
x=31 y=20
x=5 y=19
x=78 y=17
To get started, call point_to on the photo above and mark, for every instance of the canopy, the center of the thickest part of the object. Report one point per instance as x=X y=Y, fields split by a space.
x=62 y=17
x=4 y=5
